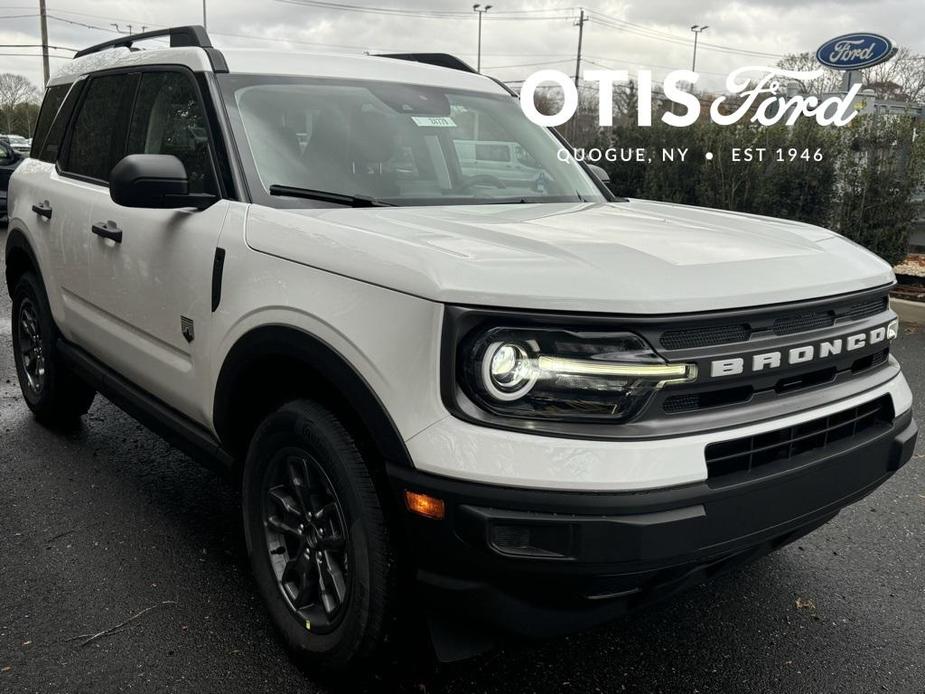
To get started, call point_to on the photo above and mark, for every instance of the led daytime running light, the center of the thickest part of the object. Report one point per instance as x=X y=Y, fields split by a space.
x=668 y=373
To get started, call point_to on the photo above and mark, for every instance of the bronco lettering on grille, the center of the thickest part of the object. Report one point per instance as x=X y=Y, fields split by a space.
x=734 y=366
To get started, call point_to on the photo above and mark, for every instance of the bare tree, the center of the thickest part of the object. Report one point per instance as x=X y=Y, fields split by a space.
x=903 y=76
x=15 y=90
x=830 y=80
x=906 y=70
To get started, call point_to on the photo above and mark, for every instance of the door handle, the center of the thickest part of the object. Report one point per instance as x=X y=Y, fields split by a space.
x=42 y=209
x=108 y=230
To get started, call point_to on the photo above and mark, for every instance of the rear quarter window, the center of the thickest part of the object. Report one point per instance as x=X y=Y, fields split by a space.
x=51 y=104
x=51 y=148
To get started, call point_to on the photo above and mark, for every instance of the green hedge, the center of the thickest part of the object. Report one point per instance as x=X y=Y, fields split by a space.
x=863 y=187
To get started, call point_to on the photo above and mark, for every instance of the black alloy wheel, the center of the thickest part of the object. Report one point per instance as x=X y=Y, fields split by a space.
x=317 y=536
x=31 y=346
x=51 y=390
x=306 y=539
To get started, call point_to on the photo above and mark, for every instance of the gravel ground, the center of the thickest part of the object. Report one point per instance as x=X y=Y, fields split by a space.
x=100 y=523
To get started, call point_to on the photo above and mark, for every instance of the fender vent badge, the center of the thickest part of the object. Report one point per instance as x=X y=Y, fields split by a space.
x=186 y=328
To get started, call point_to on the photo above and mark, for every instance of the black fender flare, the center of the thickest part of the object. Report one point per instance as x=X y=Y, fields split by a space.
x=16 y=243
x=320 y=358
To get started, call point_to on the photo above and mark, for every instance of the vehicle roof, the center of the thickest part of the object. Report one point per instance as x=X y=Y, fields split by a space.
x=277 y=62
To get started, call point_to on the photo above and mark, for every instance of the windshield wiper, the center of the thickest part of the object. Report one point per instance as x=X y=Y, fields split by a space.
x=339 y=198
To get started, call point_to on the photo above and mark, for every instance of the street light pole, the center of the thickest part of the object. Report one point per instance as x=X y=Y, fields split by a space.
x=205 y=23
x=697 y=29
x=481 y=10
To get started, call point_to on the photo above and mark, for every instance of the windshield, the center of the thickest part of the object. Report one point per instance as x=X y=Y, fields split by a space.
x=399 y=144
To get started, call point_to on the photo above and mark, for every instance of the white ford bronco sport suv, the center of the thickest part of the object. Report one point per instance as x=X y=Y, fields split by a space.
x=497 y=394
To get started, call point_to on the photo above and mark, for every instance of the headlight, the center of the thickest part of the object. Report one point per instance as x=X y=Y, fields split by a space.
x=507 y=371
x=560 y=374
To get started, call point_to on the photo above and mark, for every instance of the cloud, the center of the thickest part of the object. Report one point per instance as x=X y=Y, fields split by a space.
x=633 y=35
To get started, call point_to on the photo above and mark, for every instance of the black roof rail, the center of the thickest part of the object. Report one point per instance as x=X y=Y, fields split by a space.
x=444 y=60
x=180 y=37
x=438 y=59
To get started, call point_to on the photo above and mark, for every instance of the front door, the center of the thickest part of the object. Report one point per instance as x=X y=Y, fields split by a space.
x=152 y=290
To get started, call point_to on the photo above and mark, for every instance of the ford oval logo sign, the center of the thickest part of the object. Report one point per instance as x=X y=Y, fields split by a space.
x=855 y=51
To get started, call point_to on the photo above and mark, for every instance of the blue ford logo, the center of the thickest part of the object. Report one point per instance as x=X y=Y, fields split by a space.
x=855 y=51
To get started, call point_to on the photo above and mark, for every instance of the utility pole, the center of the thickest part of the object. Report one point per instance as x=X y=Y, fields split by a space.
x=44 y=22
x=205 y=22
x=481 y=10
x=576 y=118
x=697 y=29
x=580 y=22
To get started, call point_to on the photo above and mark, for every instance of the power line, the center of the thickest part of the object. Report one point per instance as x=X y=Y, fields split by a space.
x=423 y=13
x=367 y=9
x=656 y=34
x=545 y=62
x=511 y=15
x=81 y=24
x=35 y=45
x=313 y=44
x=36 y=55
x=622 y=64
x=107 y=18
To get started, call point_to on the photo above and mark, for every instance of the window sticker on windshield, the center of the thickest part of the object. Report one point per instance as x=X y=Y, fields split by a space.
x=433 y=121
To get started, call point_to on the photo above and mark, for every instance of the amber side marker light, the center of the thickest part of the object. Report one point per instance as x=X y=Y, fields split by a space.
x=424 y=505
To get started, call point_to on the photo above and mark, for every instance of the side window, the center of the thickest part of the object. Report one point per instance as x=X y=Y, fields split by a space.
x=51 y=148
x=6 y=154
x=54 y=97
x=168 y=119
x=98 y=135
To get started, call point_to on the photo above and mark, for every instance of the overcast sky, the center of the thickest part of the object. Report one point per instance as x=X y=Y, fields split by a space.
x=519 y=36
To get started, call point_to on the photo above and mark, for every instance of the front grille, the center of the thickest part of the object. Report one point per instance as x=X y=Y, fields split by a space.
x=788 y=324
x=803 y=322
x=865 y=309
x=711 y=398
x=691 y=402
x=682 y=403
x=749 y=453
x=705 y=337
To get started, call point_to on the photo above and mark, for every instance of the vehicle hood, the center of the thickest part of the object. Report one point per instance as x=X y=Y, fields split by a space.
x=628 y=257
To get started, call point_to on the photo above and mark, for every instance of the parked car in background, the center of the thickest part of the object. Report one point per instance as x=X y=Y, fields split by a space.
x=18 y=142
x=506 y=161
x=9 y=160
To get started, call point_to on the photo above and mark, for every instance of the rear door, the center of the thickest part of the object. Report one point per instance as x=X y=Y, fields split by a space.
x=51 y=210
x=152 y=292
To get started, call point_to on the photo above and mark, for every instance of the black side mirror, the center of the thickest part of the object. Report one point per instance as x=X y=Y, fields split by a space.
x=601 y=173
x=155 y=181
x=604 y=177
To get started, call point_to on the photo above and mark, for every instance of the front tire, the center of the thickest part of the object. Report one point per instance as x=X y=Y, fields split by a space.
x=317 y=537
x=53 y=393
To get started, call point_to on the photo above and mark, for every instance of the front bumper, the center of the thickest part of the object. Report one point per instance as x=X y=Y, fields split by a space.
x=538 y=562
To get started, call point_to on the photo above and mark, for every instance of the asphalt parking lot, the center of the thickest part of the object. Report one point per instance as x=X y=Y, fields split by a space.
x=101 y=523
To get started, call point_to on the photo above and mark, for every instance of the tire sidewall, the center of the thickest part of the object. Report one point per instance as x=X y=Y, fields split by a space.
x=292 y=428
x=29 y=287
